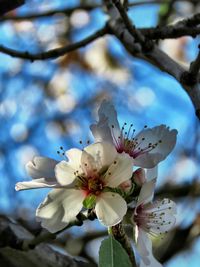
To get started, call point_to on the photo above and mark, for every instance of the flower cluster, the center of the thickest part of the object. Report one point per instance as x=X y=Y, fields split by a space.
x=102 y=177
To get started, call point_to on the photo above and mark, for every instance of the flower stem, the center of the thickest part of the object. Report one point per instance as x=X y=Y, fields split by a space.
x=119 y=234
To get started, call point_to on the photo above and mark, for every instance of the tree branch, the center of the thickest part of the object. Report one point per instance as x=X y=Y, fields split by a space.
x=179 y=191
x=152 y=54
x=169 y=32
x=65 y=11
x=130 y=27
x=54 y=53
x=8 y=5
x=195 y=67
x=183 y=27
x=69 y=11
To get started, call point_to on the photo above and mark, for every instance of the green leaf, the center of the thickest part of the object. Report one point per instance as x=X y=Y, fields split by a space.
x=89 y=201
x=112 y=254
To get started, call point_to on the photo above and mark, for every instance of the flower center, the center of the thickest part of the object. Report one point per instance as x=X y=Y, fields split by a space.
x=126 y=142
x=91 y=185
x=154 y=218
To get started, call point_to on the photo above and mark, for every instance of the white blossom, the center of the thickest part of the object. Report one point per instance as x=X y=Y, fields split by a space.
x=152 y=218
x=147 y=148
x=88 y=179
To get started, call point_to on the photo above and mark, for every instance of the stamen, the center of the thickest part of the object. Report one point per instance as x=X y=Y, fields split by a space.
x=61 y=153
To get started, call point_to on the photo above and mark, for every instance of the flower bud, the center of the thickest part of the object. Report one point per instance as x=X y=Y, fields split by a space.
x=139 y=177
x=126 y=186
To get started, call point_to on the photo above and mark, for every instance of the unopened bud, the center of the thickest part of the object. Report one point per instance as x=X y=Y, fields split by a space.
x=139 y=176
x=126 y=186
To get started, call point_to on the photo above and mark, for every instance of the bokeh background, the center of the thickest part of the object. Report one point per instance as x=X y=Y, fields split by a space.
x=51 y=103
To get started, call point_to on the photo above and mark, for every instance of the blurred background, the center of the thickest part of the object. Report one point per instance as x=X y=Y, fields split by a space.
x=51 y=103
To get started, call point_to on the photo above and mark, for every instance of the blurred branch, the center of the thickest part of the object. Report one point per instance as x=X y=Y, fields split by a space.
x=11 y=254
x=183 y=190
x=65 y=11
x=183 y=239
x=54 y=53
x=8 y=5
x=32 y=243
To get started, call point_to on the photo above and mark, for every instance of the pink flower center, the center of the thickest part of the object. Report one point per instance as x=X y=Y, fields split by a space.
x=126 y=142
x=92 y=184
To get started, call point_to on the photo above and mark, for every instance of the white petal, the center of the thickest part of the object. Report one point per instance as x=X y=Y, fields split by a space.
x=107 y=110
x=36 y=183
x=88 y=164
x=148 y=160
x=119 y=171
x=103 y=153
x=65 y=174
x=165 y=204
x=55 y=223
x=164 y=215
x=110 y=208
x=146 y=192
x=73 y=204
x=41 y=167
x=101 y=131
x=74 y=156
x=152 y=173
x=144 y=248
x=65 y=201
x=161 y=151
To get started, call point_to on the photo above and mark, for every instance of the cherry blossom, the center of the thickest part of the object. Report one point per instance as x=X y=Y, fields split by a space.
x=147 y=148
x=152 y=218
x=88 y=179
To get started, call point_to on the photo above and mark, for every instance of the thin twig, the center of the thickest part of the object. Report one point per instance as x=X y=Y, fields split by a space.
x=53 y=53
x=130 y=26
x=65 y=11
